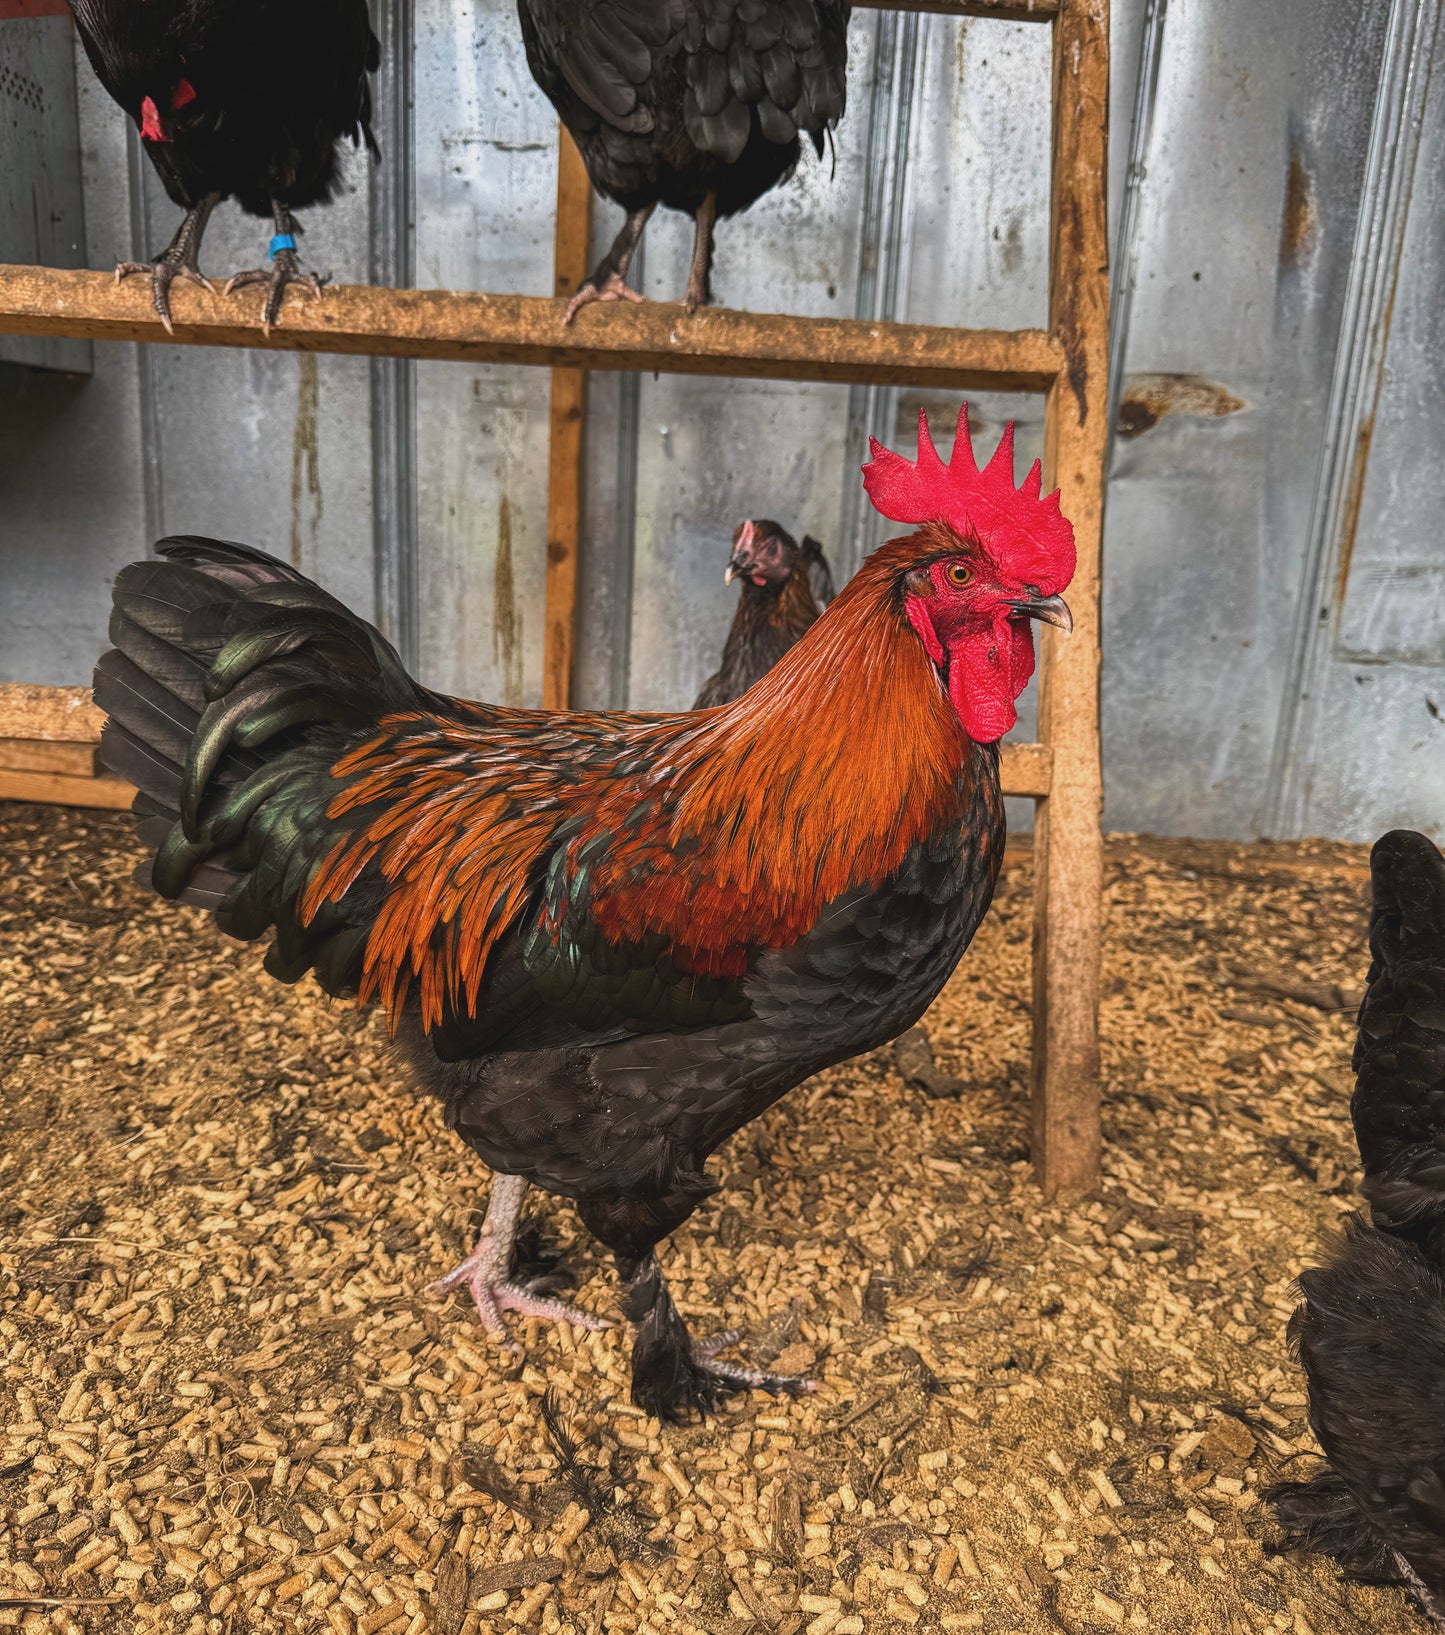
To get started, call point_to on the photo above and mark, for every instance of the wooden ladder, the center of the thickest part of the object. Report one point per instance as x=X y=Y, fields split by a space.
x=1067 y=363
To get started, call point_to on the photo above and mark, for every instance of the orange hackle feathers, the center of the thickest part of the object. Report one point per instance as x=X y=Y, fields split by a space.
x=1022 y=531
x=716 y=833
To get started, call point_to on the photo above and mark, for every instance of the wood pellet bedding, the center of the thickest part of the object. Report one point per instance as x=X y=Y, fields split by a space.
x=227 y=1403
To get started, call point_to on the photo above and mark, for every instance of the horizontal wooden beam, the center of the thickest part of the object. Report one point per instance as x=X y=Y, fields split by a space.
x=57 y=789
x=1008 y=11
x=1026 y=769
x=461 y=327
x=41 y=755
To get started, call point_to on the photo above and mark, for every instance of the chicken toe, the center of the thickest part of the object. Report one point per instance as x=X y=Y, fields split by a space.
x=738 y=1377
x=674 y=1375
x=608 y=281
x=285 y=270
x=486 y=1271
x=180 y=259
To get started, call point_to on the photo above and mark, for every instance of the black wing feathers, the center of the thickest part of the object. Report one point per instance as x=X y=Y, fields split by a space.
x=673 y=99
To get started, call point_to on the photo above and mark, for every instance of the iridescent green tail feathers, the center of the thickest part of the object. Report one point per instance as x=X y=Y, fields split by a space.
x=233 y=687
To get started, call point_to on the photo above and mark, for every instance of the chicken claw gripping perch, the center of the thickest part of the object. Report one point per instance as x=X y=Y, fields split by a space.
x=605 y=941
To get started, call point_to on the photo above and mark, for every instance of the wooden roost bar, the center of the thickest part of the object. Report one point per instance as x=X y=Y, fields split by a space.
x=50 y=732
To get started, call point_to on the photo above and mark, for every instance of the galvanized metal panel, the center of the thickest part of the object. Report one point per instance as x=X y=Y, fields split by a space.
x=485 y=153
x=1367 y=737
x=1247 y=194
x=42 y=205
x=73 y=476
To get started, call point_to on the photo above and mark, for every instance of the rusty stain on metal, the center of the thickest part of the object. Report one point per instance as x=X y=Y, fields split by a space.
x=1354 y=495
x=306 y=452
x=1148 y=398
x=506 y=615
x=1301 y=215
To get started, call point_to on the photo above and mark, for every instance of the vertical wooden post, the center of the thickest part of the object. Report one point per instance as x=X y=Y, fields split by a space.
x=564 y=460
x=1068 y=844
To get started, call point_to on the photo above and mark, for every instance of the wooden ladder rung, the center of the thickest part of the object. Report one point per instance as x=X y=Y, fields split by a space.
x=448 y=324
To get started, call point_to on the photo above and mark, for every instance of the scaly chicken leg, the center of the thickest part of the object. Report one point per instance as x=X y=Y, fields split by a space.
x=178 y=260
x=672 y=1373
x=608 y=281
x=486 y=1272
x=699 y=278
x=285 y=268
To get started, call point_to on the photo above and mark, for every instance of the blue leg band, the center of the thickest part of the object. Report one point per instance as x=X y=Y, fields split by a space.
x=282 y=241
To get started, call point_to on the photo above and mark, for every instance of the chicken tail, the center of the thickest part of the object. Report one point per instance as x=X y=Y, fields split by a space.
x=233 y=687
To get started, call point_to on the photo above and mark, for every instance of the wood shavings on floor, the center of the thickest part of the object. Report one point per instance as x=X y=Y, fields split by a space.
x=227 y=1403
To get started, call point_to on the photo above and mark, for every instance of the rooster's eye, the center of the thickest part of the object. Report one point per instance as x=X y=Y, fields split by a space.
x=959 y=573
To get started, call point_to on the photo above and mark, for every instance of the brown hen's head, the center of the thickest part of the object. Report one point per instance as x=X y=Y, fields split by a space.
x=994 y=557
x=764 y=553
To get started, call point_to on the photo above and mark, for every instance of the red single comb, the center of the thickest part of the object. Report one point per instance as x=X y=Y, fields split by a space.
x=1025 y=534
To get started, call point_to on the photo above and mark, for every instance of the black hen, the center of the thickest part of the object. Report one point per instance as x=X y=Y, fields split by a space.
x=785 y=587
x=1371 y=1333
x=243 y=98
x=694 y=104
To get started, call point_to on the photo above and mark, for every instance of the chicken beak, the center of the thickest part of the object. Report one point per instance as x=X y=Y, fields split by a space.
x=1052 y=610
x=742 y=557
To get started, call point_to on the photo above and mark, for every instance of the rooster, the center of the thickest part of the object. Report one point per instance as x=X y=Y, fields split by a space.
x=785 y=587
x=607 y=941
x=1371 y=1331
x=243 y=97
x=694 y=104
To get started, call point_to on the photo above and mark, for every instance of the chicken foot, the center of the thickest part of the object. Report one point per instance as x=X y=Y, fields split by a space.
x=608 y=280
x=486 y=1272
x=673 y=1374
x=179 y=259
x=285 y=268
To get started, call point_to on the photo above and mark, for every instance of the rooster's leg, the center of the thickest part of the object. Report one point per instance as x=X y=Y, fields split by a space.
x=672 y=1373
x=486 y=1272
x=699 y=280
x=608 y=281
x=285 y=268
x=178 y=260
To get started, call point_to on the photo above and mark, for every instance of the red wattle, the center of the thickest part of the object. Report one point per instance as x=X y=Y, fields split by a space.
x=184 y=92
x=986 y=673
x=150 y=123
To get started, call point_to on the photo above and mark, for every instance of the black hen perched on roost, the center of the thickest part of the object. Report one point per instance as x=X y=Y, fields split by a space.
x=243 y=98
x=693 y=104
x=785 y=587
x=1371 y=1333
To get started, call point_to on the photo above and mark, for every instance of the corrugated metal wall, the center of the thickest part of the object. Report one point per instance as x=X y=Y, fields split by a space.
x=1275 y=596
